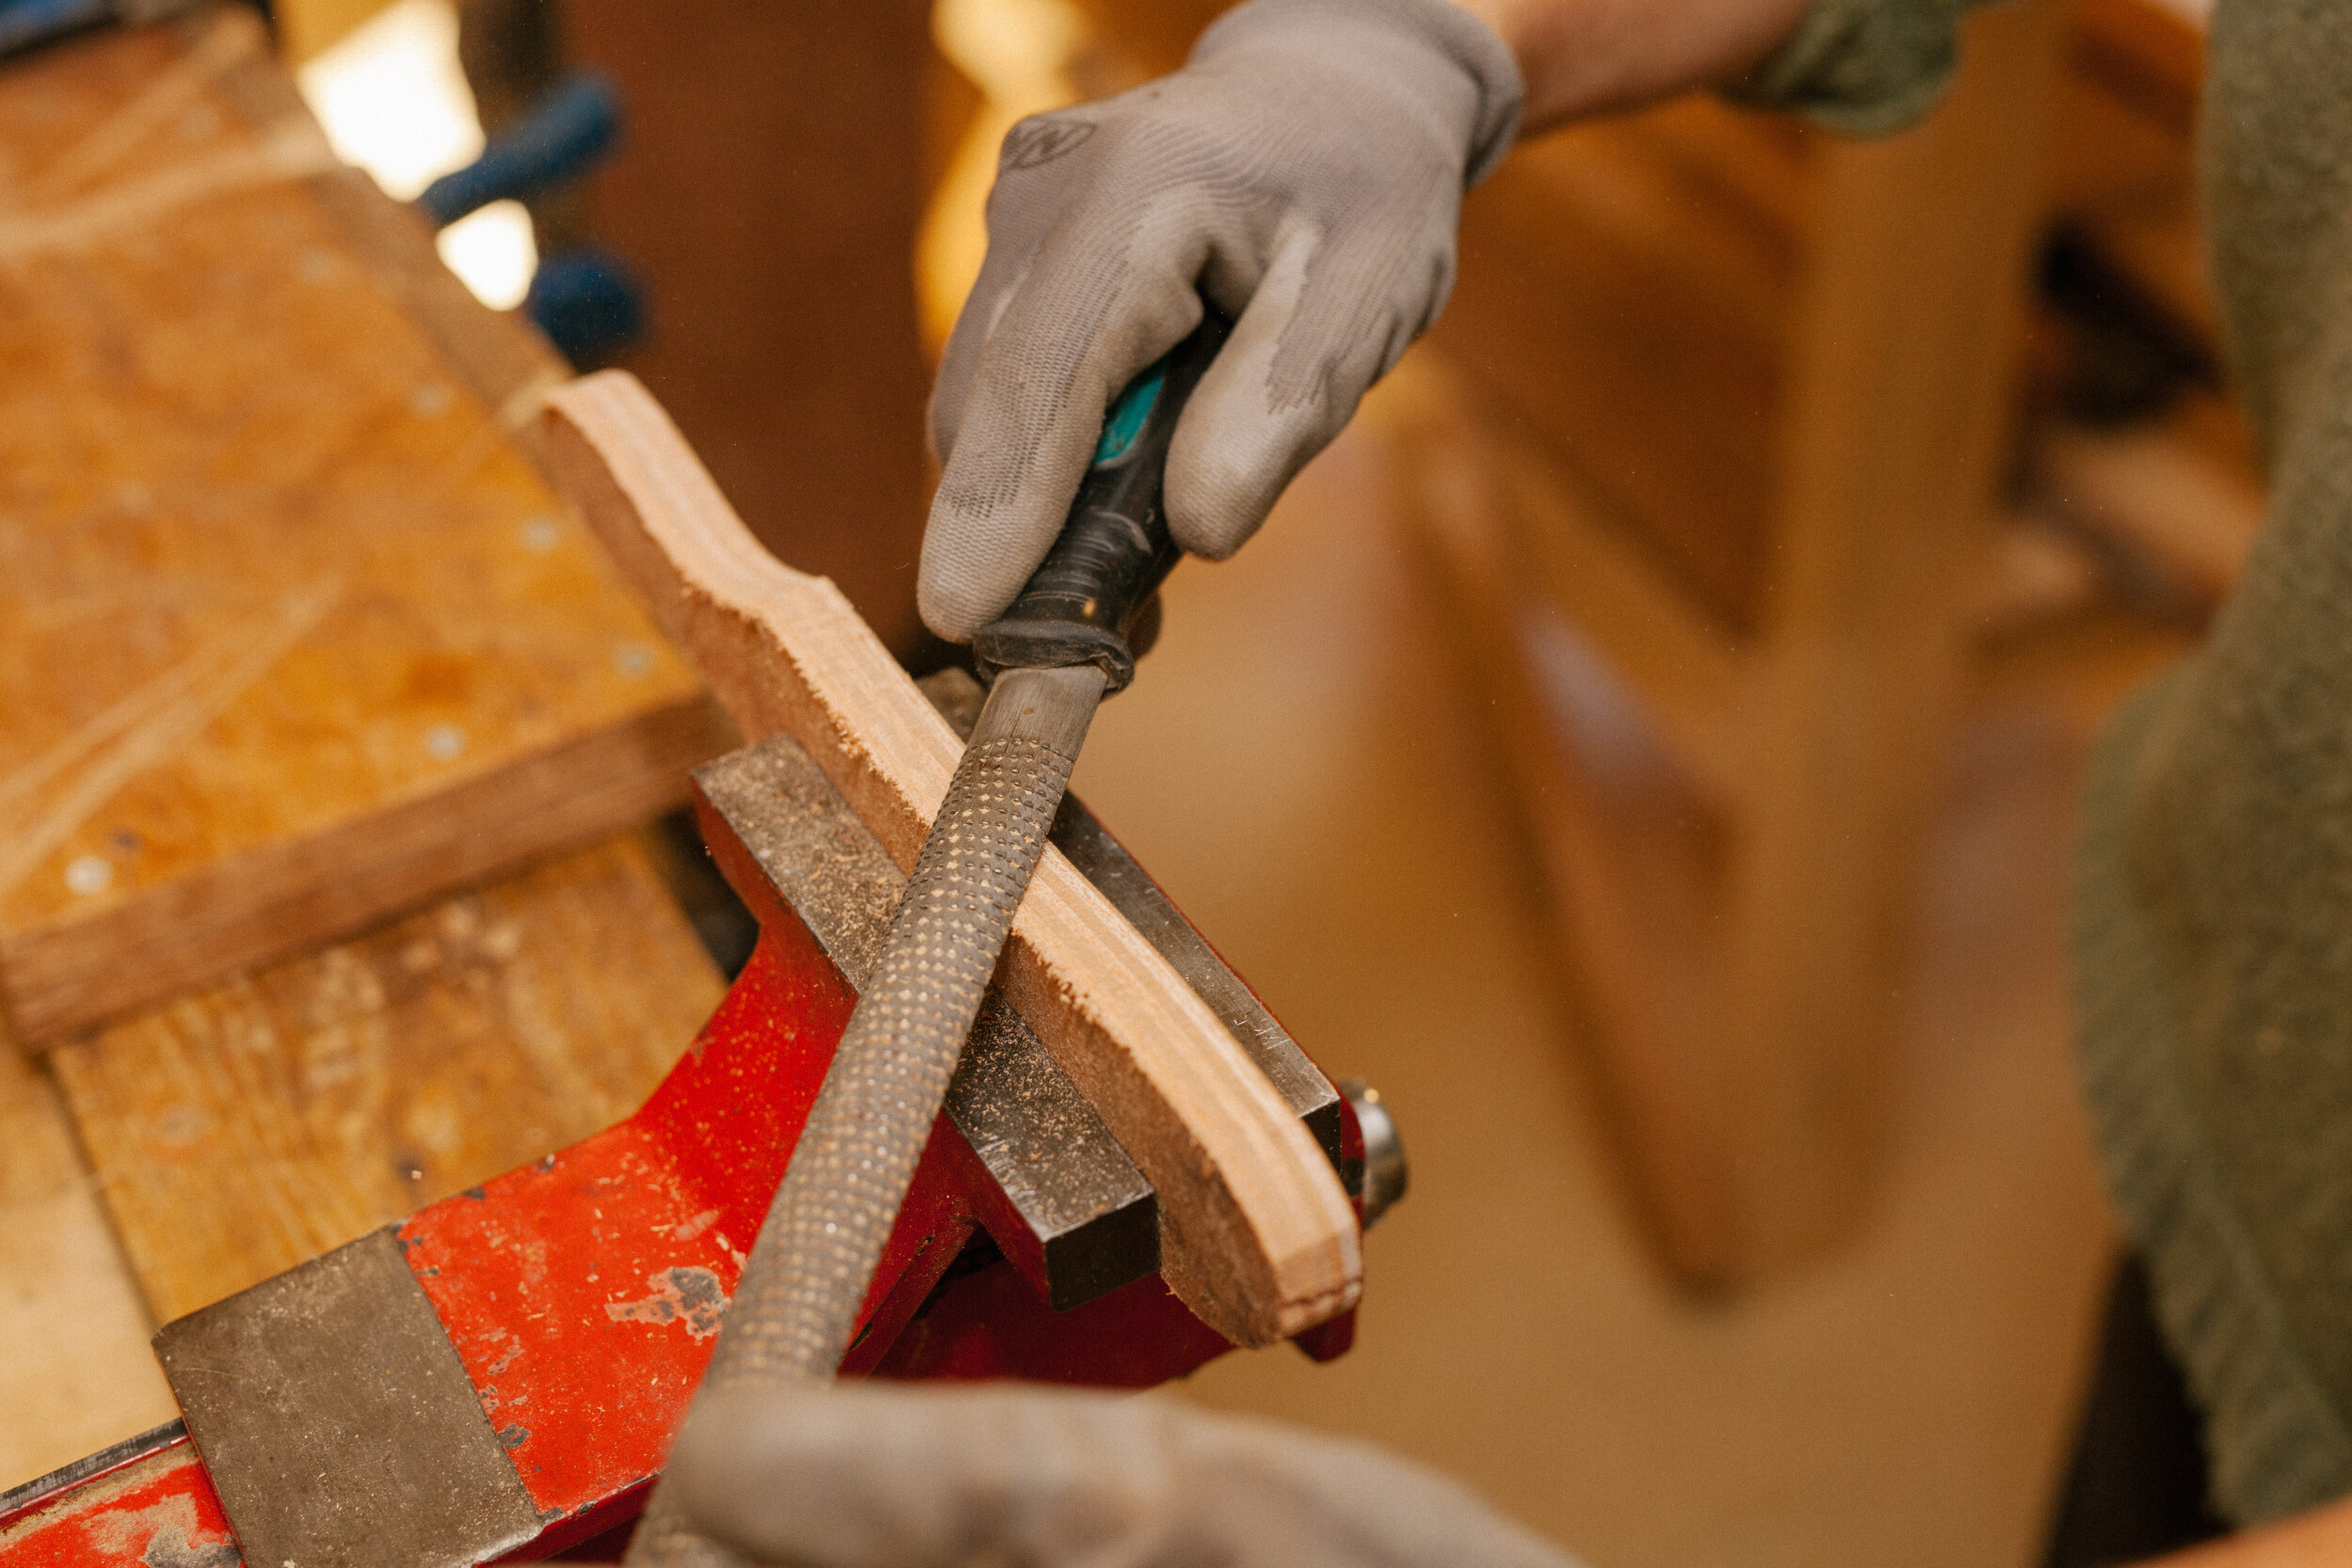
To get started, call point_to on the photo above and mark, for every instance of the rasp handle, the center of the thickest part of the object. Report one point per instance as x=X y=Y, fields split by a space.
x=1092 y=593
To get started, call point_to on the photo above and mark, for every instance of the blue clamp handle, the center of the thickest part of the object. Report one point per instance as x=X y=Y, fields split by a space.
x=27 y=22
x=559 y=138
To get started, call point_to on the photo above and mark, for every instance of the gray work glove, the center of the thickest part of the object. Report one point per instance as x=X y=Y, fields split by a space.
x=883 y=1476
x=1305 y=171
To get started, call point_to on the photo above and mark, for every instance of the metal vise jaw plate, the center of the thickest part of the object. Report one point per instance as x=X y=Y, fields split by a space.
x=340 y=1367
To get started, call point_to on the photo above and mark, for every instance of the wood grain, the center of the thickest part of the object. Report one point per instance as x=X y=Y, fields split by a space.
x=292 y=633
x=251 y=1126
x=76 y=1372
x=1259 y=1238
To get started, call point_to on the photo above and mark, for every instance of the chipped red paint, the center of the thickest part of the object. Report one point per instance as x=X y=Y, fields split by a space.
x=581 y=1292
x=158 y=1511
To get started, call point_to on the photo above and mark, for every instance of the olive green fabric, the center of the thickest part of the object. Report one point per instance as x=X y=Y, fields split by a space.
x=2214 y=896
x=1862 y=67
x=2213 y=920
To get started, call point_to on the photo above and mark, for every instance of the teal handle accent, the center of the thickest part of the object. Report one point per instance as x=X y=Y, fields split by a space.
x=1124 y=422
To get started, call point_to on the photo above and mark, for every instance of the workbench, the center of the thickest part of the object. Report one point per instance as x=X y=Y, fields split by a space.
x=327 y=736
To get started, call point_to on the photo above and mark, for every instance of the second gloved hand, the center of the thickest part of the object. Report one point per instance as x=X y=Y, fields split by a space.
x=899 y=1476
x=1305 y=171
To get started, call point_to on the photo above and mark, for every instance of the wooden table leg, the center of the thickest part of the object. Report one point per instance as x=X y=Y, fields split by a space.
x=1892 y=451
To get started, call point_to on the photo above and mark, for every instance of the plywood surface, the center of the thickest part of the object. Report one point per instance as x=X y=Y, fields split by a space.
x=247 y=1129
x=292 y=633
x=1258 y=1237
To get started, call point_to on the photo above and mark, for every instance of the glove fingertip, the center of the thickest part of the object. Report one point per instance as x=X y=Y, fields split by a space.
x=954 y=586
x=1227 y=466
x=948 y=617
x=990 y=526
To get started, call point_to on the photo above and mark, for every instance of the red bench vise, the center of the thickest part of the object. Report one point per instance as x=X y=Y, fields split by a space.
x=498 y=1377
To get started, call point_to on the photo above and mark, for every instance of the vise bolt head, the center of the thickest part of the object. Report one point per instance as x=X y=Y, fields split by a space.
x=1383 y=1149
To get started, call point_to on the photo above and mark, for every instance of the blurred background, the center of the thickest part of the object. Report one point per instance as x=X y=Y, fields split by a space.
x=1643 y=745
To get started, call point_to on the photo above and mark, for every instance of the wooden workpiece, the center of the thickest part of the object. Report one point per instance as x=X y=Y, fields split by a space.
x=296 y=634
x=1258 y=1237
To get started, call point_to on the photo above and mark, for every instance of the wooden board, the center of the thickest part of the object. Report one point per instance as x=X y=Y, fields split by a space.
x=1259 y=1238
x=75 y=1373
x=249 y=1128
x=293 y=634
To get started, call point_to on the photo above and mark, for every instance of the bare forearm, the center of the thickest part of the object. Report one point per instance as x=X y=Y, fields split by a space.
x=2318 y=1539
x=1588 y=56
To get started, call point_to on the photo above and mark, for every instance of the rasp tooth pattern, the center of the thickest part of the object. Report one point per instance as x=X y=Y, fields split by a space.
x=824 y=1233
x=867 y=1129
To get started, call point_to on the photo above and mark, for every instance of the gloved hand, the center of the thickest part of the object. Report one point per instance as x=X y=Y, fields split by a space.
x=1305 y=171
x=882 y=1476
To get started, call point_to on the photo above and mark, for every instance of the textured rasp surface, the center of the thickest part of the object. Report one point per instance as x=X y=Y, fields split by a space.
x=809 y=1272
x=868 y=1127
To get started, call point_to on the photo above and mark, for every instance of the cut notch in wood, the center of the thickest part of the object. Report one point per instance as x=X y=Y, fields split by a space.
x=1258 y=1238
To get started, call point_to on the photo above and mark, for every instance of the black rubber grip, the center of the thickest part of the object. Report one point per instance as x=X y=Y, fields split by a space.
x=1090 y=597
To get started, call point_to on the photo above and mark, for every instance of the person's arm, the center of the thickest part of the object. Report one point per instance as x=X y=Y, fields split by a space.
x=2320 y=1539
x=1582 y=57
